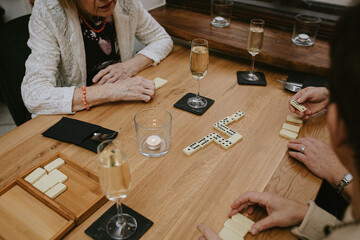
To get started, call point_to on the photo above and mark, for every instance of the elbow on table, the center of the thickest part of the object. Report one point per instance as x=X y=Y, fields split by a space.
x=45 y=103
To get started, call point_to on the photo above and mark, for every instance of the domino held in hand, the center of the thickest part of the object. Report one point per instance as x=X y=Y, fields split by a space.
x=298 y=106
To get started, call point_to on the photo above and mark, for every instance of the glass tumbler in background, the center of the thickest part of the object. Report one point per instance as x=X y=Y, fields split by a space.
x=153 y=131
x=305 y=29
x=221 y=11
x=115 y=181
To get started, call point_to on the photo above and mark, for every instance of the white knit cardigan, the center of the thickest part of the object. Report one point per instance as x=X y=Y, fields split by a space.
x=57 y=63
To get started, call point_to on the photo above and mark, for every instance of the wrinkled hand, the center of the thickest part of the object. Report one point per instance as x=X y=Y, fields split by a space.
x=281 y=212
x=136 y=88
x=113 y=73
x=314 y=99
x=208 y=233
x=319 y=158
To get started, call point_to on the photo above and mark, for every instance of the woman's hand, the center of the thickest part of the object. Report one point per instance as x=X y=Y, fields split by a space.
x=282 y=212
x=123 y=70
x=208 y=233
x=136 y=88
x=113 y=73
x=319 y=158
x=314 y=99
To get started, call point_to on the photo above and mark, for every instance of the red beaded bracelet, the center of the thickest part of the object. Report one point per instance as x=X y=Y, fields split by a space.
x=84 y=98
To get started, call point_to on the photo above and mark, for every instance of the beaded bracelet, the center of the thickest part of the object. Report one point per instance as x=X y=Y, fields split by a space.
x=84 y=98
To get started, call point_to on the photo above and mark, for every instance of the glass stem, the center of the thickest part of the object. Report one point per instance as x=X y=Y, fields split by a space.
x=198 y=88
x=252 y=64
x=120 y=211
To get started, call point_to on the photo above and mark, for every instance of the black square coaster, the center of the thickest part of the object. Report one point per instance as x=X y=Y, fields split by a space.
x=182 y=104
x=242 y=81
x=97 y=230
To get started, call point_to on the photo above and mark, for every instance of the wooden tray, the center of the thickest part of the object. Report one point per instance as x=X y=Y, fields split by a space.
x=83 y=195
x=24 y=216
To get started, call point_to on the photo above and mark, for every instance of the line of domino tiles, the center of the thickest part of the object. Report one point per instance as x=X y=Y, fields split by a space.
x=291 y=131
x=221 y=126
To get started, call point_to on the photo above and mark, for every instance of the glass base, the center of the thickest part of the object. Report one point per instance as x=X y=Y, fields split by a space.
x=197 y=102
x=157 y=152
x=118 y=230
x=302 y=41
x=250 y=76
x=220 y=22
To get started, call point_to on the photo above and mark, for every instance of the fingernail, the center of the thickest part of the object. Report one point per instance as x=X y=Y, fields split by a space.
x=254 y=231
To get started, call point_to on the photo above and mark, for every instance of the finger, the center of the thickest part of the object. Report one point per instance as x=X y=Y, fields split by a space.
x=106 y=78
x=207 y=231
x=298 y=156
x=100 y=74
x=201 y=238
x=295 y=146
x=249 y=198
x=250 y=210
x=149 y=92
x=291 y=108
x=303 y=97
x=297 y=95
x=262 y=225
x=146 y=98
x=148 y=84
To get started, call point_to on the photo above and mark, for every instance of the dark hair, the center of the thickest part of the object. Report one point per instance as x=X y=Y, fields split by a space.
x=344 y=79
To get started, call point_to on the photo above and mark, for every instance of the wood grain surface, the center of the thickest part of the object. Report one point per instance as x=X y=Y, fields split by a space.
x=278 y=49
x=176 y=191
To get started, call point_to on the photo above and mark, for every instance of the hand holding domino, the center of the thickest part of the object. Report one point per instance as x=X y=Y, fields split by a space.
x=284 y=212
x=314 y=98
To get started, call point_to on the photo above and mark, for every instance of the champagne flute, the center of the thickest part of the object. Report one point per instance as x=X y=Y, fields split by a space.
x=199 y=61
x=114 y=175
x=254 y=45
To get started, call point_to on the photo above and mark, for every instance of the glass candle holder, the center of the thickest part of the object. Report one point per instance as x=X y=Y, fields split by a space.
x=153 y=131
x=305 y=30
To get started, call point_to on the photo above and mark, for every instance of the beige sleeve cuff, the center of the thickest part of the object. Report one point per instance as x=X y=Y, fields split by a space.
x=316 y=219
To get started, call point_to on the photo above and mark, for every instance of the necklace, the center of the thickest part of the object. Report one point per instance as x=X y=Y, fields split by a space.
x=97 y=31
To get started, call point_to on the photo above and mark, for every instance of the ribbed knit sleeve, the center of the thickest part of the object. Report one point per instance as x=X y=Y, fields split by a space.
x=316 y=219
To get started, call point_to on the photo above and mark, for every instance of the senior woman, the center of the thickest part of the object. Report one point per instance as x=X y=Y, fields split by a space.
x=343 y=121
x=81 y=54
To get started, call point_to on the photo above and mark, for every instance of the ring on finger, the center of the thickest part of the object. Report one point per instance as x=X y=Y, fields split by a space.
x=302 y=149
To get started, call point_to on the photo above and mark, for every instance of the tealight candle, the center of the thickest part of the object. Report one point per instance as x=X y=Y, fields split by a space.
x=218 y=18
x=304 y=37
x=153 y=142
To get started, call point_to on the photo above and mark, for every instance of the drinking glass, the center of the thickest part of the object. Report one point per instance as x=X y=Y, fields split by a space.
x=199 y=61
x=254 y=45
x=114 y=175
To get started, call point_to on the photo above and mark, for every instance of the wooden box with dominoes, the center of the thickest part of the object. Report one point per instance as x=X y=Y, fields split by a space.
x=56 y=191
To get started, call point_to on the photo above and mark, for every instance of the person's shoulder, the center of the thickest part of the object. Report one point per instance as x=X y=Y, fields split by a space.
x=47 y=4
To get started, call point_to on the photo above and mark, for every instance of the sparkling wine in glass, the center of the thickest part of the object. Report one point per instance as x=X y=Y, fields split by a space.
x=254 y=44
x=115 y=181
x=199 y=61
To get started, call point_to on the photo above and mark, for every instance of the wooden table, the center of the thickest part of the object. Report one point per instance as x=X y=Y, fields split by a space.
x=176 y=191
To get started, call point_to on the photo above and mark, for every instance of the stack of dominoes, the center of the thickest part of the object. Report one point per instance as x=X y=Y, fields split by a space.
x=236 y=228
x=291 y=131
